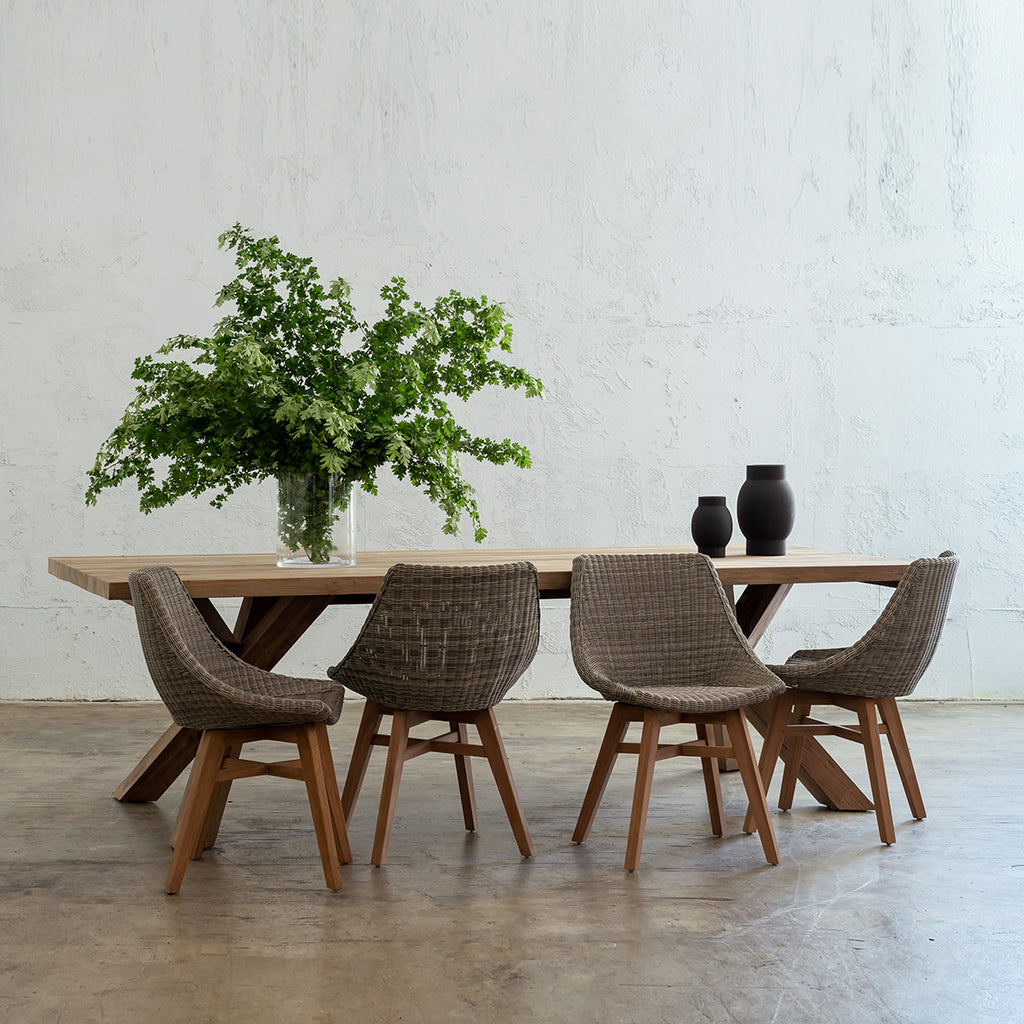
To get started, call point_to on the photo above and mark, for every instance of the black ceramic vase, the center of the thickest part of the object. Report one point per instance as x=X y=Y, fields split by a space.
x=765 y=510
x=711 y=526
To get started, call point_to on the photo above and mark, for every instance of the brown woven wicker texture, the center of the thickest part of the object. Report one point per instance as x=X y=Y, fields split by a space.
x=658 y=631
x=892 y=656
x=445 y=638
x=202 y=683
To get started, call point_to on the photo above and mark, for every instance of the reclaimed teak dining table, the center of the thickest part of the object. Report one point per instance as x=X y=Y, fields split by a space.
x=279 y=605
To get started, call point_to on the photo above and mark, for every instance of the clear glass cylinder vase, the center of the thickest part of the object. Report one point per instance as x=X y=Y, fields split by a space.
x=316 y=521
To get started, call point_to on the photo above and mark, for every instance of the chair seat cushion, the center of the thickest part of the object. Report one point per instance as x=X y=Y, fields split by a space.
x=810 y=657
x=825 y=670
x=326 y=698
x=282 y=700
x=697 y=700
x=890 y=658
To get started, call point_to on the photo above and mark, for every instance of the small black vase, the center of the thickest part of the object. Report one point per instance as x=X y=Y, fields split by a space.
x=765 y=510
x=711 y=526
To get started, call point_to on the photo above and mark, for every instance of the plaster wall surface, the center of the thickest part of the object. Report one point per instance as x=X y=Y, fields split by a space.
x=726 y=233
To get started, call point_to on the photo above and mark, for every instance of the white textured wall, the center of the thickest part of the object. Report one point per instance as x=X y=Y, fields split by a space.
x=726 y=232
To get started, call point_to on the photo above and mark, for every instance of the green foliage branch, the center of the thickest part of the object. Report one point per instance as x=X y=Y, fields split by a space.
x=292 y=382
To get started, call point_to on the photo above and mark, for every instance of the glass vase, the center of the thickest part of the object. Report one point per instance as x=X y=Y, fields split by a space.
x=316 y=521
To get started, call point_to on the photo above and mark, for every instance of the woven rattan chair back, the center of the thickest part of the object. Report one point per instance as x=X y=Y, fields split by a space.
x=202 y=683
x=225 y=703
x=865 y=678
x=657 y=635
x=653 y=620
x=891 y=657
x=446 y=638
x=441 y=644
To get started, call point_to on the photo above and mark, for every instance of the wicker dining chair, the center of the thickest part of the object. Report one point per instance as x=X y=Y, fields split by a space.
x=656 y=635
x=865 y=678
x=207 y=688
x=441 y=644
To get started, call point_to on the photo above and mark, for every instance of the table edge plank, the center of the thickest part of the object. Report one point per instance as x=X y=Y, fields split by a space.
x=257 y=574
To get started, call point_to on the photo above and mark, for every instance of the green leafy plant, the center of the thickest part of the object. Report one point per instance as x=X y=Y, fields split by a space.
x=293 y=382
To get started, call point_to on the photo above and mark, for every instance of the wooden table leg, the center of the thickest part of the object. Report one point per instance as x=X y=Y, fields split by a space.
x=163 y=763
x=268 y=637
x=819 y=773
x=267 y=628
x=757 y=606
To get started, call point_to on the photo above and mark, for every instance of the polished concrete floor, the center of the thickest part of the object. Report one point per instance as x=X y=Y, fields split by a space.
x=457 y=927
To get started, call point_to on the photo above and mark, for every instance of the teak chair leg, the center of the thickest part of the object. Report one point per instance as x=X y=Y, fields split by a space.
x=735 y=743
x=180 y=816
x=221 y=791
x=464 y=772
x=791 y=774
x=211 y=826
x=369 y=723
x=314 y=773
x=792 y=711
x=770 y=750
x=743 y=751
x=320 y=737
x=614 y=734
x=642 y=790
x=876 y=769
x=889 y=711
x=490 y=739
x=189 y=845
x=795 y=746
x=712 y=782
x=397 y=746
x=203 y=804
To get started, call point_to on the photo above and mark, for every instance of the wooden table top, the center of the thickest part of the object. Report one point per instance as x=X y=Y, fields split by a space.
x=258 y=575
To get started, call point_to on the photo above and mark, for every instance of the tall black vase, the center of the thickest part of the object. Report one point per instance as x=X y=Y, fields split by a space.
x=711 y=526
x=765 y=510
